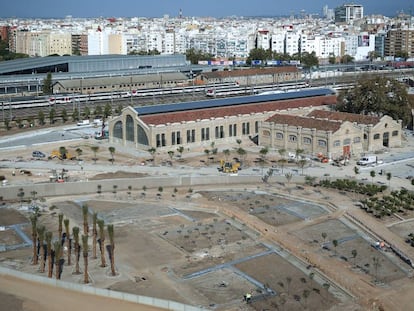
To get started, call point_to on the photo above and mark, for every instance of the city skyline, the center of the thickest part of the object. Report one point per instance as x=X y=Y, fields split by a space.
x=213 y=8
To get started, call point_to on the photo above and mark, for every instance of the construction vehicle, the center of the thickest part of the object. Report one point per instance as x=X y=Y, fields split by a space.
x=229 y=167
x=67 y=156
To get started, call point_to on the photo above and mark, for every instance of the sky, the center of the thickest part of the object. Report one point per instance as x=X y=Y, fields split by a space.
x=197 y=8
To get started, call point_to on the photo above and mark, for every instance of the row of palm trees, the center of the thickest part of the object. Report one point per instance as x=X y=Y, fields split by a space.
x=52 y=251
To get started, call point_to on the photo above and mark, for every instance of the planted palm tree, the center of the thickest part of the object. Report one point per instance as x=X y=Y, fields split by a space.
x=101 y=225
x=85 y=258
x=112 y=244
x=354 y=253
x=41 y=236
x=335 y=244
x=95 y=150
x=288 y=177
x=85 y=212
x=60 y=229
x=79 y=152
x=68 y=246
x=94 y=234
x=306 y=293
x=114 y=189
x=75 y=232
x=152 y=151
x=99 y=191
x=171 y=154
x=33 y=220
x=58 y=254
x=112 y=152
x=372 y=174
x=301 y=163
x=49 y=236
x=129 y=191
x=180 y=150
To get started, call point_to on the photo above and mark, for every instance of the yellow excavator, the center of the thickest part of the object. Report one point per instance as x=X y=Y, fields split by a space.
x=57 y=154
x=229 y=167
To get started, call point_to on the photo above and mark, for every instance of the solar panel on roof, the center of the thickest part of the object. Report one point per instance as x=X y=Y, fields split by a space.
x=232 y=101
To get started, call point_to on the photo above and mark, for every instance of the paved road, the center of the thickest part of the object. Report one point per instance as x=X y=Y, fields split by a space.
x=399 y=161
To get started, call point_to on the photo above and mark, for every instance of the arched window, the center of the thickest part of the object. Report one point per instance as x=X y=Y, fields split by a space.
x=118 y=130
x=377 y=136
x=322 y=143
x=129 y=128
x=337 y=143
x=292 y=138
x=307 y=140
x=347 y=141
x=142 y=136
x=279 y=136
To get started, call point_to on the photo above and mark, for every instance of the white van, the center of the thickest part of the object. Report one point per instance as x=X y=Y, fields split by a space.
x=368 y=160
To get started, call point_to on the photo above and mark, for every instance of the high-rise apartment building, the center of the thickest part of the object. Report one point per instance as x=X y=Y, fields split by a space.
x=4 y=33
x=399 y=42
x=80 y=44
x=347 y=13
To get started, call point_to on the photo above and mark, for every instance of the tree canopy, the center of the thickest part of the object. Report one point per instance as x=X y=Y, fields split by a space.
x=5 y=53
x=377 y=96
x=48 y=84
x=305 y=58
x=194 y=56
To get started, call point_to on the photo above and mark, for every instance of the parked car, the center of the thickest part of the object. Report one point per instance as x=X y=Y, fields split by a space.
x=38 y=154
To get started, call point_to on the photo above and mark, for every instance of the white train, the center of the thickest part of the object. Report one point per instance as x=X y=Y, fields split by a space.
x=45 y=101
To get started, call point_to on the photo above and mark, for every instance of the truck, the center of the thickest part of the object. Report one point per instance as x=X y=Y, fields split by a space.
x=369 y=160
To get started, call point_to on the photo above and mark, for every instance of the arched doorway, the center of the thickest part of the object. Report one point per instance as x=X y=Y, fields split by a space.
x=386 y=139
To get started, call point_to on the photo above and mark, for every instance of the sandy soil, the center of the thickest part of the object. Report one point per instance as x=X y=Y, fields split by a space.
x=160 y=241
x=18 y=295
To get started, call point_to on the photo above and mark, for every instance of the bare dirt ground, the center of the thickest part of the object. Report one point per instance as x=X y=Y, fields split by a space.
x=212 y=247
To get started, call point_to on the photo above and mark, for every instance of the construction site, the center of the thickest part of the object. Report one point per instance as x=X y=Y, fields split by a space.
x=282 y=244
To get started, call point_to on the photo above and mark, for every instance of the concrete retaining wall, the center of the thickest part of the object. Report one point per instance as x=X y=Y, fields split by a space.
x=88 y=289
x=89 y=187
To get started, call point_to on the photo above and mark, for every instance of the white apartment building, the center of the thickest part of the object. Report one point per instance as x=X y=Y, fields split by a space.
x=263 y=39
x=278 y=42
x=98 y=42
x=325 y=46
x=169 y=45
x=359 y=45
x=292 y=42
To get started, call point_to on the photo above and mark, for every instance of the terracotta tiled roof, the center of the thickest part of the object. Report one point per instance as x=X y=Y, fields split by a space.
x=193 y=115
x=249 y=72
x=344 y=116
x=305 y=122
